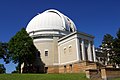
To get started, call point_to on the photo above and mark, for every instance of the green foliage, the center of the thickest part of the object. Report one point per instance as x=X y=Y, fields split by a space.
x=2 y=69
x=112 y=46
x=21 y=48
x=43 y=77
x=116 y=79
x=116 y=48
x=118 y=34
x=4 y=52
x=107 y=45
x=15 y=71
x=107 y=41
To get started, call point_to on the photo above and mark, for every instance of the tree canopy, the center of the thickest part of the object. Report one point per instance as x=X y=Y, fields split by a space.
x=111 y=48
x=107 y=48
x=116 y=48
x=21 y=48
x=2 y=69
x=4 y=52
x=107 y=41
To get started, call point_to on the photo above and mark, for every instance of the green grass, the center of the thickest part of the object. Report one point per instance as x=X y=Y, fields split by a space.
x=43 y=77
x=116 y=79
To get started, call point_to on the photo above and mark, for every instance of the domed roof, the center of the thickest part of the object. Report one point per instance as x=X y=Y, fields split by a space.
x=51 y=20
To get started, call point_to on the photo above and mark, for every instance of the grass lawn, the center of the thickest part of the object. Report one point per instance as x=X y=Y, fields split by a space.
x=116 y=79
x=43 y=77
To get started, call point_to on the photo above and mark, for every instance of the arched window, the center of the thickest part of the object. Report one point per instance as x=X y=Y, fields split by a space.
x=65 y=50
x=70 y=49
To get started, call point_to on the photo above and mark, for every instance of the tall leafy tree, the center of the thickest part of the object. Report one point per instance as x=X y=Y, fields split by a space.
x=107 y=41
x=116 y=48
x=3 y=55
x=107 y=45
x=21 y=49
x=2 y=69
x=4 y=52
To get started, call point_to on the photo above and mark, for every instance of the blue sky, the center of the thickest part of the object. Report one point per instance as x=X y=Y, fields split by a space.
x=95 y=17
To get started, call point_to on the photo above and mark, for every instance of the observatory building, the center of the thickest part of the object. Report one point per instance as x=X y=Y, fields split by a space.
x=62 y=48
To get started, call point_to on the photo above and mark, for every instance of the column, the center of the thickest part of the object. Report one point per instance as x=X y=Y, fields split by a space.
x=78 y=49
x=83 y=50
x=89 y=51
x=94 y=54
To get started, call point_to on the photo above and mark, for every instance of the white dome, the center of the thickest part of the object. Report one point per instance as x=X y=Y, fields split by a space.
x=50 y=20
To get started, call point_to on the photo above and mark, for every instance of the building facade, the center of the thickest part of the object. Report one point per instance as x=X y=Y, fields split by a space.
x=62 y=48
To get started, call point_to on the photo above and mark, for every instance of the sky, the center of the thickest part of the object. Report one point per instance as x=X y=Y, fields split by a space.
x=95 y=17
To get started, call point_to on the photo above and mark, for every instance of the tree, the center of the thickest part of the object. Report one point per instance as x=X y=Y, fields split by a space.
x=2 y=69
x=21 y=49
x=116 y=48
x=107 y=41
x=111 y=49
x=3 y=55
x=107 y=45
x=4 y=52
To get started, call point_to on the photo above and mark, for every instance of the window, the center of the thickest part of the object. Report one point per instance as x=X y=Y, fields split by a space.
x=64 y=50
x=64 y=69
x=46 y=69
x=71 y=68
x=46 y=53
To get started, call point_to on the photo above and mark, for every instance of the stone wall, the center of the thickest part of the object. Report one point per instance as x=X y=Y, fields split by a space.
x=93 y=74
x=78 y=67
x=108 y=73
x=103 y=74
